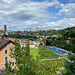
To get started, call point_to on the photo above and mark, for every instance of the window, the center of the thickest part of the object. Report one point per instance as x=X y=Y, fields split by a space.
x=13 y=63
x=13 y=58
x=22 y=45
x=5 y=58
x=6 y=51
x=10 y=44
x=12 y=50
x=7 y=45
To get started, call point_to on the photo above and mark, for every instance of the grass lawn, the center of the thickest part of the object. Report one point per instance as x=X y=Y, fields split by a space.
x=50 y=54
x=34 y=52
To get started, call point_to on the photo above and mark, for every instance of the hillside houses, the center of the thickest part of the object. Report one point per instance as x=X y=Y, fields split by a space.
x=36 y=43
x=23 y=33
x=2 y=32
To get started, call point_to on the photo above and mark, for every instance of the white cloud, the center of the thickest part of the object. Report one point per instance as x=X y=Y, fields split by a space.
x=33 y=25
x=60 y=24
x=25 y=12
x=30 y=15
x=8 y=1
x=68 y=9
x=71 y=0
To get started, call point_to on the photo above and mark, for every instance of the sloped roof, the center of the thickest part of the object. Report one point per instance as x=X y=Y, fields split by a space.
x=2 y=31
x=3 y=42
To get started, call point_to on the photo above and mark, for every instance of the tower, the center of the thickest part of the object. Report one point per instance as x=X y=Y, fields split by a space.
x=5 y=28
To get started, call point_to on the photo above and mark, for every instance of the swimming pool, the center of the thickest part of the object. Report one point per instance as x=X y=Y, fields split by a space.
x=58 y=50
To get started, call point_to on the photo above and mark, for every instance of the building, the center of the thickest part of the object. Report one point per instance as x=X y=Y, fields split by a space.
x=31 y=45
x=22 y=42
x=5 y=28
x=5 y=46
x=16 y=39
x=36 y=43
x=2 y=32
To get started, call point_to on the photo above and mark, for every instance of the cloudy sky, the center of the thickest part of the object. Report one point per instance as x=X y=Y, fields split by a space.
x=37 y=14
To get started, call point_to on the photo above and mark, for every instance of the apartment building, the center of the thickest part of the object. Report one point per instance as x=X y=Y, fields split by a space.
x=5 y=46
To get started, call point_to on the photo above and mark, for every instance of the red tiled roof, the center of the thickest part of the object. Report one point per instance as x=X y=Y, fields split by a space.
x=2 y=31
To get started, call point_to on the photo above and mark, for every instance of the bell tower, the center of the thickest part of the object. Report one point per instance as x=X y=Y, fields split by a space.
x=5 y=28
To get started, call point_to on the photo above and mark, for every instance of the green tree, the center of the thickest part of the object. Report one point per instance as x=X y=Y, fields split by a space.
x=26 y=65
x=49 y=67
x=8 y=67
x=70 y=65
x=24 y=62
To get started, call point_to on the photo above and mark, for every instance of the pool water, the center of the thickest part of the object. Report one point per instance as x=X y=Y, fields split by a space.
x=58 y=50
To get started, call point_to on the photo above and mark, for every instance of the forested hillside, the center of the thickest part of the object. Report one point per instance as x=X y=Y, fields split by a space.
x=66 y=41
x=53 y=32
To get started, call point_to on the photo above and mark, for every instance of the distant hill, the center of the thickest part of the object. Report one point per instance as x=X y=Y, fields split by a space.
x=49 y=32
x=54 y=32
x=70 y=32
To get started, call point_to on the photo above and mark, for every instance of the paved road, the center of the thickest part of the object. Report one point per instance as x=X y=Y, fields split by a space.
x=49 y=59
